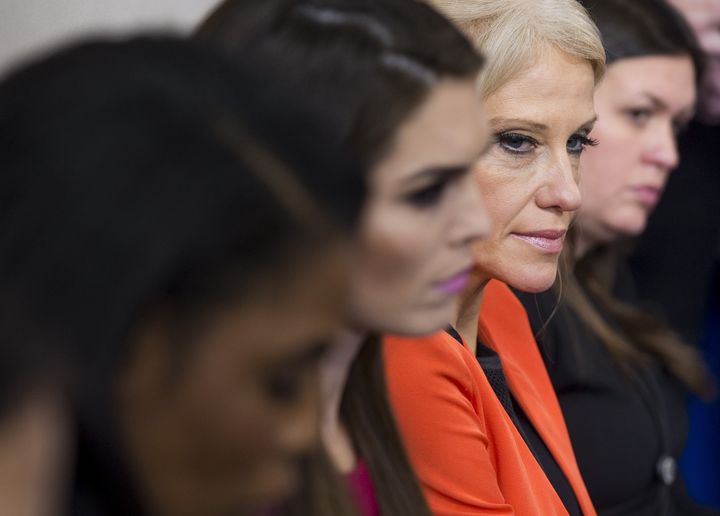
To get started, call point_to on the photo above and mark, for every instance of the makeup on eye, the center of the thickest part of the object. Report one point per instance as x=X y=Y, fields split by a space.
x=430 y=188
x=283 y=382
x=639 y=116
x=581 y=142
x=512 y=138
x=516 y=143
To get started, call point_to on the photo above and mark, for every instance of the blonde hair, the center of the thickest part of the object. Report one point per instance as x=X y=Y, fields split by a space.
x=512 y=34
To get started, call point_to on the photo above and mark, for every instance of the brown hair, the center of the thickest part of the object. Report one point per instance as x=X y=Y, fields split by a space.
x=367 y=66
x=635 y=336
x=632 y=29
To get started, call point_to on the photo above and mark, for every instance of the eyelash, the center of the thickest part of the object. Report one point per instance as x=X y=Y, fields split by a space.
x=287 y=384
x=283 y=387
x=639 y=116
x=432 y=193
x=585 y=142
x=428 y=195
x=503 y=139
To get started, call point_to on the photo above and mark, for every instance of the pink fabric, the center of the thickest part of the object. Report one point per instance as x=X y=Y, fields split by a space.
x=362 y=490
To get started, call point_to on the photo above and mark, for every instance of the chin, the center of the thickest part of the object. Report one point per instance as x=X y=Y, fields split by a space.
x=424 y=322
x=632 y=225
x=532 y=279
x=634 y=230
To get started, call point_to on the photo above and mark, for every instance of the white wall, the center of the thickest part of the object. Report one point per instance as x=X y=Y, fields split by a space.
x=31 y=26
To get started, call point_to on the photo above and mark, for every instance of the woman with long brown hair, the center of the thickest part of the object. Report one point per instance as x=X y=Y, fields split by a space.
x=622 y=375
x=399 y=82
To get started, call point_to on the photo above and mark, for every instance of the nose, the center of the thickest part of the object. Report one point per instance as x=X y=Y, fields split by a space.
x=662 y=149
x=560 y=191
x=471 y=221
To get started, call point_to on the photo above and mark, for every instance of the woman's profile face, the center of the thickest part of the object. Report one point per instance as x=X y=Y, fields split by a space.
x=221 y=426
x=540 y=122
x=413 y=253
x=641 y=105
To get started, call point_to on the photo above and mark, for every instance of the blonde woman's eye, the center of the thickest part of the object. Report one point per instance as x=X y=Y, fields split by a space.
x=516 y=143
x=577 y=143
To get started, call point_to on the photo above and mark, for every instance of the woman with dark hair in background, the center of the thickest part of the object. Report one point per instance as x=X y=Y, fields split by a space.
x=621 y=375
x=400 y=82
x=686 y=223
x=170 y=249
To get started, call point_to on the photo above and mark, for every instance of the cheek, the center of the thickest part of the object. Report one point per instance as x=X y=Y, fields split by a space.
x=503 y=197
x=392 y=246
x=234 y=430
x=605 y=171
x=218 y=396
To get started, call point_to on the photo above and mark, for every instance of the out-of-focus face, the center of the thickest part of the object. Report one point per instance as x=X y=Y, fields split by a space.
x=540 y=121
x=222 y=429
x=704 y=17
x=413 y=252
x=641 y=104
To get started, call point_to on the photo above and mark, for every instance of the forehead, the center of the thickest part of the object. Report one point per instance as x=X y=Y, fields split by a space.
x=557 y=89
x=667 y=78
x=282 y=317
x=448 y=128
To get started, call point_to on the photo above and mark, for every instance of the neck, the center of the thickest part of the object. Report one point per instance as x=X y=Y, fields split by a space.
x=466 y=321
x=334 y=372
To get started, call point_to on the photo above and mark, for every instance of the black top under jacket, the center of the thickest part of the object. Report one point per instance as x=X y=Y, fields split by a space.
x=492 y=367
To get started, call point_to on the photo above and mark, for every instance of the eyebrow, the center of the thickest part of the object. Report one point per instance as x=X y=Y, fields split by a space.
x=589 y=122
x=518 y=121
x=656 y=102
x=537 y=126
x=437 y=174
x=685 y=115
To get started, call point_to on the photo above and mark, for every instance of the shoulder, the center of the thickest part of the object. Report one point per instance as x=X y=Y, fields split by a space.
x=425 y=361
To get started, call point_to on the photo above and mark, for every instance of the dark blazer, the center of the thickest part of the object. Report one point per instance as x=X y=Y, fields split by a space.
x=627 y=431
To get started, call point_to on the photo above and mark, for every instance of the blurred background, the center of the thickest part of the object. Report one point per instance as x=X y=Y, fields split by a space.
x=31 y=26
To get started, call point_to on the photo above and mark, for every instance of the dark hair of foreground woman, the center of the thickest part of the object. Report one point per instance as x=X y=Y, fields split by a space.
x=150 y=181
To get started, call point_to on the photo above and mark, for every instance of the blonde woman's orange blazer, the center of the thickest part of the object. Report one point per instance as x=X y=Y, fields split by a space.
x=467 y=453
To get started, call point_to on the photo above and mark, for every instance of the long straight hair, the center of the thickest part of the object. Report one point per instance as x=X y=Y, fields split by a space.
x=367 y=66
x=632 y=29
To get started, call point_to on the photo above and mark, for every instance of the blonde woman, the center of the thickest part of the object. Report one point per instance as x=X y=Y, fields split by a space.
x=476 y=409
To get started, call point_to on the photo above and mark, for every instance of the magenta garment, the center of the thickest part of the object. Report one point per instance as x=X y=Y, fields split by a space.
x=362 y=490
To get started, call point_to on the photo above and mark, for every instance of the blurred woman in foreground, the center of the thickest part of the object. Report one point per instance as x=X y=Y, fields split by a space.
x=167 y=250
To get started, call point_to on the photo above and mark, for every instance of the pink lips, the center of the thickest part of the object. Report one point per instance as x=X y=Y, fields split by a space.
x=550 y=240
x=456 y=283
x=647 y=195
